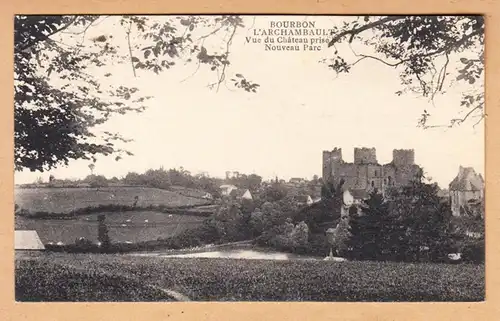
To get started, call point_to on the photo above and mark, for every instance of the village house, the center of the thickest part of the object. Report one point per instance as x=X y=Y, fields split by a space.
x=27 y=240
x=303 y=200
x=296 y=181
x=227 y=189
x=241 y=194
x=466 y=190
x=317 y=199
x=358 y=195
x=347 y=201
x=352 y=197
x=443 y=194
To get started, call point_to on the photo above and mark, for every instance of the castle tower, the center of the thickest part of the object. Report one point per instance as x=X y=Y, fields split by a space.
x=331 y=162
x=365 y=156
x=403 y=157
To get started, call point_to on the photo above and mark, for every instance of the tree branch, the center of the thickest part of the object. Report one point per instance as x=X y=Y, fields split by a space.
x=223 y=74
x=355 y=31
x=130 y=48
x=87 y=27
x=445 y=49
x=197 y=68
x=461 y=120
x=45 y=37
x=363 y=57
x=452 y=45
x=480 y=120
x=211 y=33
x=441 y=77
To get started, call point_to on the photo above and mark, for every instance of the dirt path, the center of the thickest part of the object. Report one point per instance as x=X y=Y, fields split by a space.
x=174 y=294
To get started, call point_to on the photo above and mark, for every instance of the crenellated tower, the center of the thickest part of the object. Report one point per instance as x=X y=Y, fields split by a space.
x=365 y=174
x=403 y=157
x=332 y=161
x=365 y=156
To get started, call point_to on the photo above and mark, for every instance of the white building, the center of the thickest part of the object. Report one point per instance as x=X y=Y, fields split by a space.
x=227 y=189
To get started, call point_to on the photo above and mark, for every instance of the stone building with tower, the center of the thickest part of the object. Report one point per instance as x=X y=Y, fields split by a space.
x=365 y=174
x=467 y=193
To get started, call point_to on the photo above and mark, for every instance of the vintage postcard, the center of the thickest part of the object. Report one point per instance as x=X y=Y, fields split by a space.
x=296 y=158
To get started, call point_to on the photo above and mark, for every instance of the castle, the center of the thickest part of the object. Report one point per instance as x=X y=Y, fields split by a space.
x=366 y=174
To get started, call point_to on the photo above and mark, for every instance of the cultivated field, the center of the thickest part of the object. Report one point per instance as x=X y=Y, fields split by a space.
x=64 y=283
x=64 y=200
x=131 y=226
x=255 y=280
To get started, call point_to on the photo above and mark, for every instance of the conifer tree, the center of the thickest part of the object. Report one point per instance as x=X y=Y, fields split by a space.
x=371 y=230
x=425 y=219
x=103 y=235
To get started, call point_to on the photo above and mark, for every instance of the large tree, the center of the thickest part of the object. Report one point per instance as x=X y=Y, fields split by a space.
x=426 y=219
x=374 y=233
x=60 y=102
x=53 y=122
x=421 y=49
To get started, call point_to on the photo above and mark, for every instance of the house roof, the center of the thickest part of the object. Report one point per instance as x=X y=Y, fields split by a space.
x=467 y=180
x=227 y=186
x=443 y=193
x=238 y=192
x=27 y=240
x=359 y=194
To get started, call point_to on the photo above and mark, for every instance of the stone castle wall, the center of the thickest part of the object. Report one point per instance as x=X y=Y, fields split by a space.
x=366 y=173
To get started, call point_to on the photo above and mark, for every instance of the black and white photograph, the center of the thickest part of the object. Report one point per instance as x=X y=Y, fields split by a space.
x=283 y=158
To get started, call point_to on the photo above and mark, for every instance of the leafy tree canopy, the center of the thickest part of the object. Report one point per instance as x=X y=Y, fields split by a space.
x=60 y=102
x=421 y=48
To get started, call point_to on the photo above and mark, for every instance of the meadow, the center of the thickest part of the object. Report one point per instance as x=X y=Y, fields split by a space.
x=129 y=226
x=66 y=200
x=63 y=284
x=205 y=279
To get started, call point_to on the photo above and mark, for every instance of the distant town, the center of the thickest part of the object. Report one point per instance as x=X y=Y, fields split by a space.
x=359 y=179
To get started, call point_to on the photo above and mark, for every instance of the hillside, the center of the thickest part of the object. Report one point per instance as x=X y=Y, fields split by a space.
x=65 y=200
x=129 y=226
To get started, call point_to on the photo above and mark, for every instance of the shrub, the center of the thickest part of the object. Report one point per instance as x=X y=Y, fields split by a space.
x=84 y=244
x=103 y=235
x=473 y=252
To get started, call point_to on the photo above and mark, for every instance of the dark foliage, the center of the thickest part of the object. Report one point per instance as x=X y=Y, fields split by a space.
x=65 y=112
x=474 y=252
x=375 y=233
x=53 y=122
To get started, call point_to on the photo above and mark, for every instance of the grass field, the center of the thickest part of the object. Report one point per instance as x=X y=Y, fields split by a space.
x=65 y=200
x=62 y=284
x=260 y=280
x=131 y=226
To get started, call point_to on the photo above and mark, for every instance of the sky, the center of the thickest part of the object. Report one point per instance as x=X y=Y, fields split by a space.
x=301 y=108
